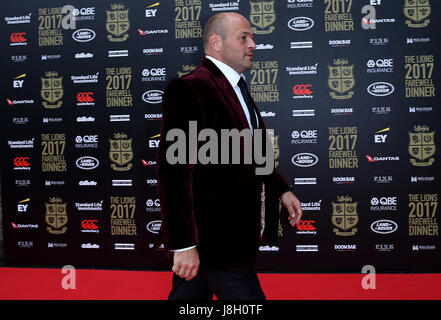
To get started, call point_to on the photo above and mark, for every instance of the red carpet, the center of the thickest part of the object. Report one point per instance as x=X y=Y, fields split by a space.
x=46 y=284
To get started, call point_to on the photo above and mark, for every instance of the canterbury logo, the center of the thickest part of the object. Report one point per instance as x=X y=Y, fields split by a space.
x=89 y=224
x=18 y=37
x=21 y=162
x=306 y=225
x=85 y=97
x=302 y=89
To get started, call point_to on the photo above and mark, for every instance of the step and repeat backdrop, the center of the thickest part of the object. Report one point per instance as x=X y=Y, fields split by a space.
x=350 y=87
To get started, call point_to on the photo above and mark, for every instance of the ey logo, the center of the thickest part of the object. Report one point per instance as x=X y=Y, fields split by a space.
x=23 y=205
x=18 y=81
x=381 y=135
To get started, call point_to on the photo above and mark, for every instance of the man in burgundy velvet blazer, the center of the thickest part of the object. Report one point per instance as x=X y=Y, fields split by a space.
x=211 y=213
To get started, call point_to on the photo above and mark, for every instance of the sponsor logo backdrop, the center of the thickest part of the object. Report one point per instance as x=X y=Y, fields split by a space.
x=351 y=89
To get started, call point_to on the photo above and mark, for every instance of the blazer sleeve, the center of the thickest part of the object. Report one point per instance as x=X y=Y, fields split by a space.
x=180 y=106
x=282 y=183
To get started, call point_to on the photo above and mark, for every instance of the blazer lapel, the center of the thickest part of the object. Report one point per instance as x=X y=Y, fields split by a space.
x=227 y=91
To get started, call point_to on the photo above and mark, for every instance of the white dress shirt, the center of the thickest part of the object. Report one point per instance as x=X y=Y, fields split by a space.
x=233 y=78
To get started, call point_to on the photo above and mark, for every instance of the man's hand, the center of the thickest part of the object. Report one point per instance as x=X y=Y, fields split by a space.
x=294 y=207
x=186 y=263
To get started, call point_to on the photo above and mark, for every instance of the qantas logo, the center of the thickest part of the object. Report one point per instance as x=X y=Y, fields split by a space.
x=17 y=102
x=146 y=163
x=24 y=226
x=375 y=159
x=148 y=32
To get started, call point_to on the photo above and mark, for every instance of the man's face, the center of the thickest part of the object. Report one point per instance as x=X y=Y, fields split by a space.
x=238 y=45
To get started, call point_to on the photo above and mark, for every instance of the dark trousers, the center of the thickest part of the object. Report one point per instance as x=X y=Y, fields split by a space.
x=226 y=285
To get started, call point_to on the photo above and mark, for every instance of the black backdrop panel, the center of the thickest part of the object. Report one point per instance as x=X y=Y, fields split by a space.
x=349 y=87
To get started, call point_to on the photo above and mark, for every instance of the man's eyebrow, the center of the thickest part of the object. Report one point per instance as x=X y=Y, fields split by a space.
x=247 y=32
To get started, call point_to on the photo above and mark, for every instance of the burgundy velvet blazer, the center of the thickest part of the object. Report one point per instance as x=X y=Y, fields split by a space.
x=216 y=207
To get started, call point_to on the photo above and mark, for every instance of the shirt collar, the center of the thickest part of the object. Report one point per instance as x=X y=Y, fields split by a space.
x=232 y=76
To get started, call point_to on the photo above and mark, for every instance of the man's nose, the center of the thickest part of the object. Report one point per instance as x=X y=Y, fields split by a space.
x=251 y=44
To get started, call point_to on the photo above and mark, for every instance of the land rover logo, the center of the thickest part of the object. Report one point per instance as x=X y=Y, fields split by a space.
x=384 y=226
x=380 y=89
x=87 y=163
x=83 y=35
x=153 y=96
x=300 y=23
x=304 y=159
x=154 y=226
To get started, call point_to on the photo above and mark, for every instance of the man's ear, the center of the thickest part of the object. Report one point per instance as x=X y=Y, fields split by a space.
x=215 y=42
